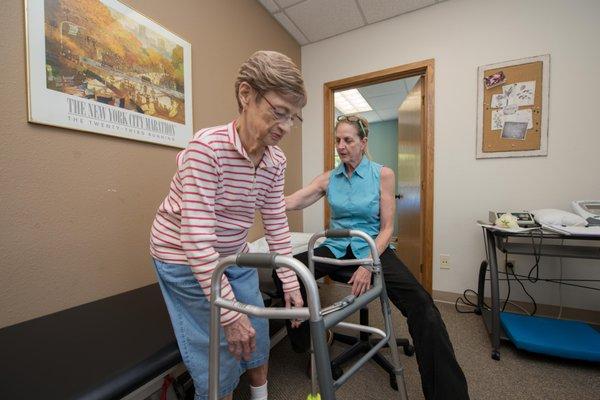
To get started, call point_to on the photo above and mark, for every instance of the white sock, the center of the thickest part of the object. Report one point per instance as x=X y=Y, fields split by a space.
x=259 y=393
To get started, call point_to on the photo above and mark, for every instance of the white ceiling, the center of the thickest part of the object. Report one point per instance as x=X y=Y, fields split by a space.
x=309 y=21
x=385 y=98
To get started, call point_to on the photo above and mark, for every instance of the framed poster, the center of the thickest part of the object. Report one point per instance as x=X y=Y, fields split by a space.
x=512 y=108
x=99 y=66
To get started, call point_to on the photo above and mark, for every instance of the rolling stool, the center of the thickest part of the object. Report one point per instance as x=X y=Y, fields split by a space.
x=362 y=344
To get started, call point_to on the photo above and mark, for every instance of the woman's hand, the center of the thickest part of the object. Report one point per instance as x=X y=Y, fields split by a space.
x=361 y=281
x=241 y=338
x=293 y=299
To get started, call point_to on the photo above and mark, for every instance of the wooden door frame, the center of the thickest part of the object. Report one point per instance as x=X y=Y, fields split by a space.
x=425 y=68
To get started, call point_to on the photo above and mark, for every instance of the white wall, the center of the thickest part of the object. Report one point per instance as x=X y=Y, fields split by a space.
x=462 y=35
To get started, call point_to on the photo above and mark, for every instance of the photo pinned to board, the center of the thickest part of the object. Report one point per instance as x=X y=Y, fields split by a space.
x=494 y=80
x=514 y=130
x=500 y=117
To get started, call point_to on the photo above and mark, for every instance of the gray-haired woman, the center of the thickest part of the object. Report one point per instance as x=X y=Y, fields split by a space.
x=224 y=175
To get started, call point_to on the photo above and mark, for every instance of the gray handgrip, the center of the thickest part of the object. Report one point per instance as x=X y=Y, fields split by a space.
x=265 y=260
x=337 y=233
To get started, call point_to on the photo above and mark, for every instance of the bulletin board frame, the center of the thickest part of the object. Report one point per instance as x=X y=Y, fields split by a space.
x=497 y=143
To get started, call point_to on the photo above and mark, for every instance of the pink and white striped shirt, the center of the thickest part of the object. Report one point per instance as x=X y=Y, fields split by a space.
x=211 y=204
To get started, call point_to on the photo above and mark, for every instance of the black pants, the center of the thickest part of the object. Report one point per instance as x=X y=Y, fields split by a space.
x=441 y=376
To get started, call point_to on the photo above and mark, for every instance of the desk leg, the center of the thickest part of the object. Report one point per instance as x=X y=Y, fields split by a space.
x=495 y=291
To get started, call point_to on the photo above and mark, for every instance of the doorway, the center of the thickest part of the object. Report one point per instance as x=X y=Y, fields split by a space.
x=412 y=152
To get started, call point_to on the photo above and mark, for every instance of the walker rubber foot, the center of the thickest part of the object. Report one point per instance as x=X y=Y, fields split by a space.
x=313 y=397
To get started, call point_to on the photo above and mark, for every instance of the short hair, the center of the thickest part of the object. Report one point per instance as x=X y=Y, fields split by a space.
x=358 y=121
x=272 y=71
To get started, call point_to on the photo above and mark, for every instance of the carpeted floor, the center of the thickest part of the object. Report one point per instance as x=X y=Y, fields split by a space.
x=518 y=375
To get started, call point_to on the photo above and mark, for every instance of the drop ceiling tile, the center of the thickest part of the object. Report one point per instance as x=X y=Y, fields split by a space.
x=269 y=5
x=387 y=101
x=320 y=19
x=410 y=82
x=378 y=10
x=380 y=89
x=289 y=26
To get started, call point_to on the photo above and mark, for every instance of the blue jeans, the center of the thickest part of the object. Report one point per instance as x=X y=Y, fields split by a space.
x=190 y=315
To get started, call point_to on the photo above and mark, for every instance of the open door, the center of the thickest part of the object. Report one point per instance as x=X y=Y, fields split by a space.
x=408 y=181
x=424 y=221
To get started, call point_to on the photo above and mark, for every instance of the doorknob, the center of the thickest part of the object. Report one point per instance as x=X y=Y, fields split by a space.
x=399 y=196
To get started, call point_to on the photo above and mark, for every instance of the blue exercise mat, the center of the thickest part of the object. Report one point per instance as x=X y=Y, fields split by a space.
x=567 y=339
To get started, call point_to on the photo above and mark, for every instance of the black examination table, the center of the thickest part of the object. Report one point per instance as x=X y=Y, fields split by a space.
x=100 y=350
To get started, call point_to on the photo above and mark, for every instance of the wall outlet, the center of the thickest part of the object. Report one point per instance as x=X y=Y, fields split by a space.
x=511 y=264
x=445 y=261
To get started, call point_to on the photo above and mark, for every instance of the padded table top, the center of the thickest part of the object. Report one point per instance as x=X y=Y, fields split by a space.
x=99 y=350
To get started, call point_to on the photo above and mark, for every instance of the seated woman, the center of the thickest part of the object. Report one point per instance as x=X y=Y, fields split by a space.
x=360 y=193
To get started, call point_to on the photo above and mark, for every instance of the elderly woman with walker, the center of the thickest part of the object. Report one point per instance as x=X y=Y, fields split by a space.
x=224 y=174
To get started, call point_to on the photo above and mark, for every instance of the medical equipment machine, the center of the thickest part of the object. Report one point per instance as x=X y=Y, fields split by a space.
x=524 y=218
x=319 y=319
x=588 y=209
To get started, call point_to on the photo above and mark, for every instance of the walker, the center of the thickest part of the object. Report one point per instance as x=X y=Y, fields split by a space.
x=319 y=319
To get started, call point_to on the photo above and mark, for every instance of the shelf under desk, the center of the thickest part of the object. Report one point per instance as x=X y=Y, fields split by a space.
x=551 y=250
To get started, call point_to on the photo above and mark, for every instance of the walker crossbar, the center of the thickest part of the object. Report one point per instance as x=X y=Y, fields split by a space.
x=361 y=328
x=363 y=262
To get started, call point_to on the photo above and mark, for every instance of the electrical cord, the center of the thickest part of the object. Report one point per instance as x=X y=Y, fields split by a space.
x=526 y=292
x=537 y=255
x=468 y=303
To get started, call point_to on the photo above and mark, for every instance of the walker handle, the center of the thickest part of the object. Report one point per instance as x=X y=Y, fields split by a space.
x=257 y=260
x=333 y=233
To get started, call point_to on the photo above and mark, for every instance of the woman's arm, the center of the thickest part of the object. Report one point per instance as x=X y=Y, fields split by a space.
x=387 y=209
x=308 y=195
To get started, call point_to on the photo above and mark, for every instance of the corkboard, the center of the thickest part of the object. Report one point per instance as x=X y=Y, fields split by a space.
x=491 y=142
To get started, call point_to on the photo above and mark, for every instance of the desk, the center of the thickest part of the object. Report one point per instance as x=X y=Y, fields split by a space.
x=498 y=240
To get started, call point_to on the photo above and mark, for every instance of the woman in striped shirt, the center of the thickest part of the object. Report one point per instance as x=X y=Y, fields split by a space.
x=224 y=175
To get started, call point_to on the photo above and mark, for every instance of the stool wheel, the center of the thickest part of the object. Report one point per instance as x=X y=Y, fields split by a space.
x=409 y=350
x=336 y=372
x=496 y=355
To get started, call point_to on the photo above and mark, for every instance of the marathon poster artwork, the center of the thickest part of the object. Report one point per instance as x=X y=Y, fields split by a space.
x=99 y=66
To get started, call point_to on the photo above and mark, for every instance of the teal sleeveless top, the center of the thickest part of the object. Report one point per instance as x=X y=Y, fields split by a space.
x=354 y=204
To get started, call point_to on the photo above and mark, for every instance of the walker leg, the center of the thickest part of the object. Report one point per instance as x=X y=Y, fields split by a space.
x=313 y=375
x=398 y=368
x=322 y=362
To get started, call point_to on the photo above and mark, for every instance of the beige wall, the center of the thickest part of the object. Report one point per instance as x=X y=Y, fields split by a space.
x=77 y=206
x=462 y=35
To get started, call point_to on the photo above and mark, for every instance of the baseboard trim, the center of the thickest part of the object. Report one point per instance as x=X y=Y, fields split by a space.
x=546 y=310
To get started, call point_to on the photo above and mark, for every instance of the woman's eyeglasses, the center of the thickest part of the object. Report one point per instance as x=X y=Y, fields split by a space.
x=352 y=119
x=283 y=117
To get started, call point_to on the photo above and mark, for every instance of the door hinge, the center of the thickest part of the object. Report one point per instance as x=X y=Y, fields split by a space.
x=421 y=268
